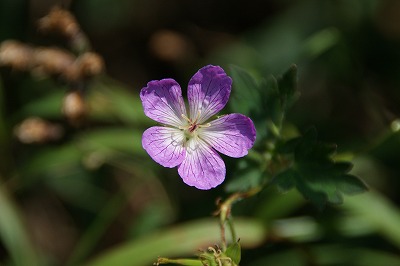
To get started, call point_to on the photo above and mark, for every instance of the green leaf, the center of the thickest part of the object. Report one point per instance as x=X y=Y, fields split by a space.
x=13 y=233
x=375 y=208
x=109 y=100
x=247 y=98
x=53 y=160
x=248 y=176
x=331 y=254
x=234 y=252
x=95 y=231
x=280 y=95
x=181 y=240
x=270 y=101
x=185 y=262
x=112 y=141
x=287 y=85
x=316 y=175
x=245 y=91
x=48 y=106
x=285 y=180
x=266 y=101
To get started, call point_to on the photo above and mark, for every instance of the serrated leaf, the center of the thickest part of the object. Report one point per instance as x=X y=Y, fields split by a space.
x=245 y=91
x=271 y=100
x=310 y=149
x=248 y=99
x=288 y=87
x=288 y=146
x=266 y=101
x=316 y=175
x=353 y=185
x=284 y=180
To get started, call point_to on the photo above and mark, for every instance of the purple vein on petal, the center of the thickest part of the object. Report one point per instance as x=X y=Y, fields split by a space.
x=163 y=102
x=232 y=134
x=208 y=92
x=164 y=145
x=202 y=166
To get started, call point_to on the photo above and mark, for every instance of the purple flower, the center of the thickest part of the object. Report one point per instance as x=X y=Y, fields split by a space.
x=188 y=140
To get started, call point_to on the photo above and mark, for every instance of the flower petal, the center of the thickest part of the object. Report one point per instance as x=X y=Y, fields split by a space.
x=164 y=145
x=202 y=168
x=208 y=92
x=232 y=134
x=162 y=101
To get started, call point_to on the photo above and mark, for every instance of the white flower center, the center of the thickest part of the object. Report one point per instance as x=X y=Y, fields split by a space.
x=190 y=129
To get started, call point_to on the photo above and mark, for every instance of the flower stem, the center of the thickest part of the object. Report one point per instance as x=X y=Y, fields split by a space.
x=187 y=262
x=232 y=229
x=224 y=212
x=223 y=238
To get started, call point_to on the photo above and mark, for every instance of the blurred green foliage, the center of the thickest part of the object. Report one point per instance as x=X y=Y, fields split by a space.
x=92 y=196
x=315 y=174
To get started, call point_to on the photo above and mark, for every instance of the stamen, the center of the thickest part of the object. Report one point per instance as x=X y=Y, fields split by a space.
x=186 y=118
x=205 y=125
x=192 y=125
x=184 y=127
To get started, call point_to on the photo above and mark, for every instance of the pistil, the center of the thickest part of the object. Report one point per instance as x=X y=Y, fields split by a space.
x=190 y=129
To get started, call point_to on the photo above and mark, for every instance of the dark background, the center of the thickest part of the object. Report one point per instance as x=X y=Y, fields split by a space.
x=94 y=187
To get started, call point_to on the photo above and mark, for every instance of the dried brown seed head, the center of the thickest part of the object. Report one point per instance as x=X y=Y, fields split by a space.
x=60 y=21
x=37 y=130
x=74 y=107
x=52 y=61
x=16 y=55
x=90 y=64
